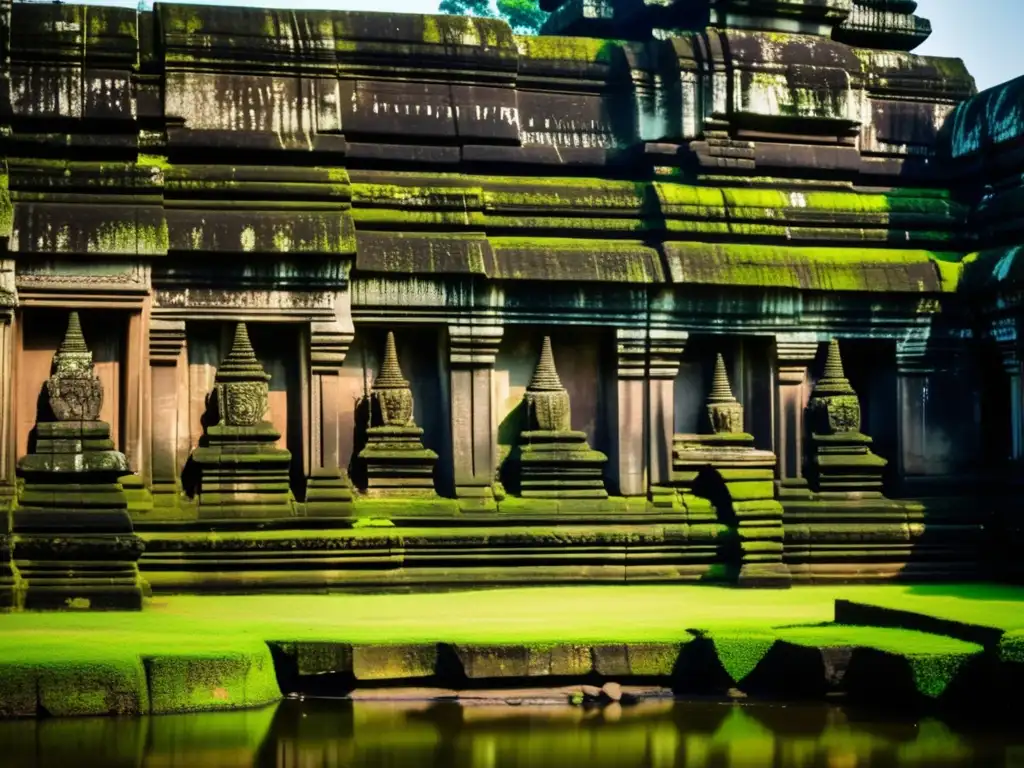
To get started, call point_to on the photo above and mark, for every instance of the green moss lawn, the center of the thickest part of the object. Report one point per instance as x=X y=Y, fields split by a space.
x=192 y=652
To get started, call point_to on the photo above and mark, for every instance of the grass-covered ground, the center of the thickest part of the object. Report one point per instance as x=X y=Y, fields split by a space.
x=193 y=652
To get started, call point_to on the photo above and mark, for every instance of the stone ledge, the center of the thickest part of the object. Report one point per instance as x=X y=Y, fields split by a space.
x=219 y=653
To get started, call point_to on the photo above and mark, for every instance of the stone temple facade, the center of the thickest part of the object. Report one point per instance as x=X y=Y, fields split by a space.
x=717 y=290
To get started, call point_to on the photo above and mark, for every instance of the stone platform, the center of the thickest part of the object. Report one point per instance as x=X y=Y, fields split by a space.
x=206 y=653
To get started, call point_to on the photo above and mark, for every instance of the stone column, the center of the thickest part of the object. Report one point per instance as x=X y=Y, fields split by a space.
x=794 y=354
x=1013 y=364
x=472 y=350
x=9 y=581
x=166 y=354
x=328 y=490
x=7 y=415
x=912 y=373
x=8 y=300
x=648 y=362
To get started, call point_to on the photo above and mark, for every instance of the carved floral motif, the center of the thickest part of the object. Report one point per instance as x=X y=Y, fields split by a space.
x=245 y=403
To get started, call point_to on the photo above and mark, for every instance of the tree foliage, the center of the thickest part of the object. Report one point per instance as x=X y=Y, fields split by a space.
x=524 y=16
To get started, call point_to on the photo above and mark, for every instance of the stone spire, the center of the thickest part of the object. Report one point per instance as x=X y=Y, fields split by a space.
x=74 y=341
x=724 y=410
x=721 y=392
x=545 y=377
x=241 y=383
x=546 y=399
x=395 y=459
x=833 y=380
x=834 y=406
x=75 y=392
x=241 y=363
x=391 y=389
x=243 y=474
x=390 y=376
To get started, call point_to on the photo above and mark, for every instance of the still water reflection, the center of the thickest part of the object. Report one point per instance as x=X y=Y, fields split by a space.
x=319 y=734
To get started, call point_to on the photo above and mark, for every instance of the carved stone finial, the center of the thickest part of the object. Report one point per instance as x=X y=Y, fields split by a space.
x=75 y=392
x=834 y=406
x=546 y=398
x=390 y=376
x=391 y=390
x=241 y=383
x=545 y=377
x=724 y=410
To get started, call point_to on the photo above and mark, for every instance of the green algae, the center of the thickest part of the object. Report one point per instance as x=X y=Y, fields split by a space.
x=814 y=267
x=6 y=206
x=741 y=651
x=578 y=49
x=202 y=653
x=934 y=660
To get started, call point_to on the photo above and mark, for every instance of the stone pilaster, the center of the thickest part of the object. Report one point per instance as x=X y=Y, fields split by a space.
x=328 y=488
x=914 y=366
x=166 y=348
x=648 y=362
x=1013 y=364
x=472 y=352
x=794 y=355
x=9 y=580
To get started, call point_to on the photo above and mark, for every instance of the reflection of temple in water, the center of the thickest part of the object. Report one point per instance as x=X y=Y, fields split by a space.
x=663 y=734
x=653 y=735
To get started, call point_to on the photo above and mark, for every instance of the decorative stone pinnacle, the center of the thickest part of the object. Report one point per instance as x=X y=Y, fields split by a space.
x=724 y=410
x=242 y=389
x=721 y=392
x=834 y=407
x=241 y=363
x=833 y=380
x=74 y=341
x=75 y=392
x=545 y=377
x=390 y=375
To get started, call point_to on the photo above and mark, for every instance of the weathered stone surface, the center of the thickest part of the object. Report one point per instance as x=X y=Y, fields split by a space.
x=727 y=167
x=393 y=662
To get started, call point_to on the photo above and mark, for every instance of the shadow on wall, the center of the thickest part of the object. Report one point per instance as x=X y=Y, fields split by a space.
x=509 y=438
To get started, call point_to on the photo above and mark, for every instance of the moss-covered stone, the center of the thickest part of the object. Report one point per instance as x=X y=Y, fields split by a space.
x=394 y=662
x=222 y=679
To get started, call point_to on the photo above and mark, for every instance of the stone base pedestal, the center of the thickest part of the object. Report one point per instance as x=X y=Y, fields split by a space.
x=397 y=463
x=843 y=463
x=140 y=501
x=95 y=572
x=475 y=494
x=74 y=544
x=244 y=475
x=744 y=496
x=329 y=494
x=560 y=465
